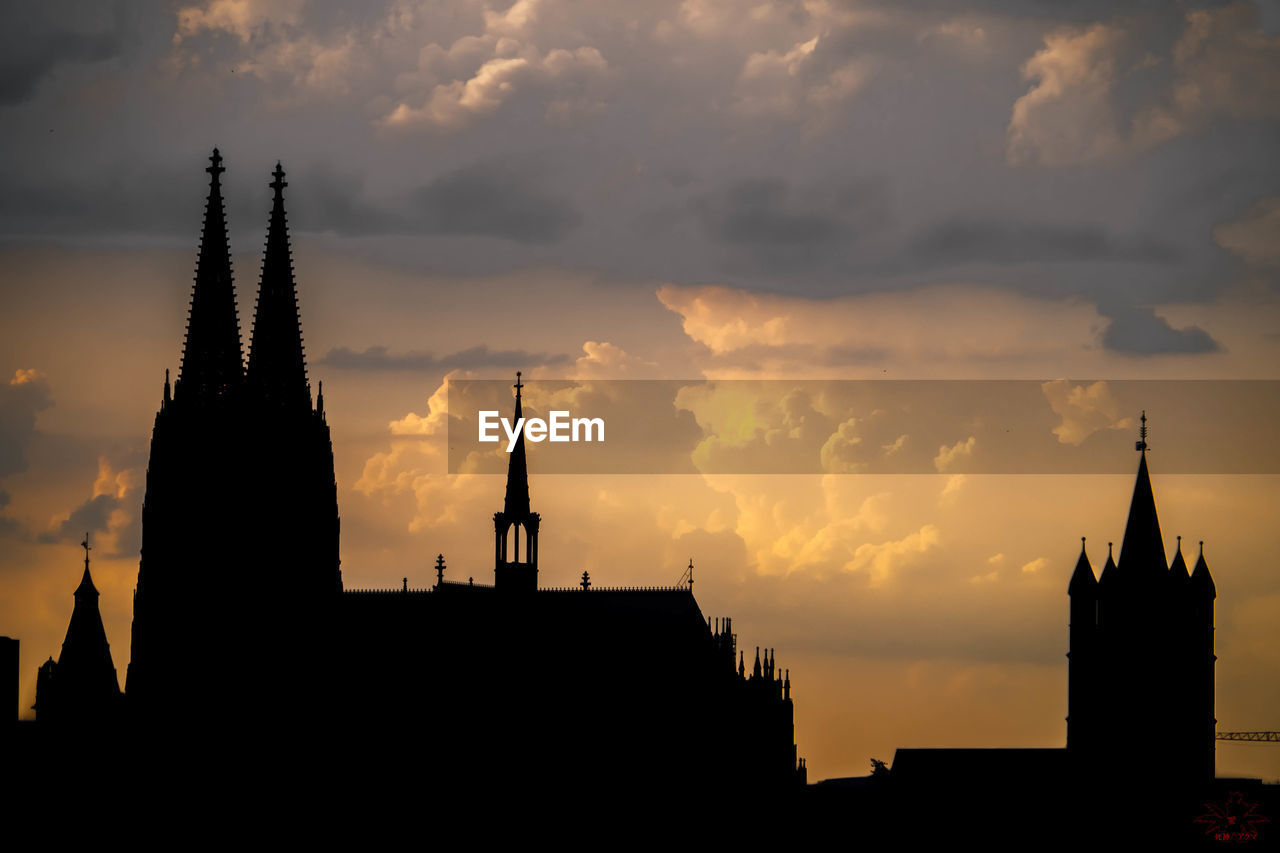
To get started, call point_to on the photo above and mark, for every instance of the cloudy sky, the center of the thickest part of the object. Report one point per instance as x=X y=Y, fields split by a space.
x=1062 y=192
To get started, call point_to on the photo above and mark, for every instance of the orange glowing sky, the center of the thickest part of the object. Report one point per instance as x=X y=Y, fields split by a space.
x=673 y=190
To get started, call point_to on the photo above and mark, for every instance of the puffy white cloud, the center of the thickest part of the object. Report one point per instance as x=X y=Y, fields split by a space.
x=1083 y=410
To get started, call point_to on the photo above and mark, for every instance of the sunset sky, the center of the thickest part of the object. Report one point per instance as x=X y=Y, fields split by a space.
x=1073 y=193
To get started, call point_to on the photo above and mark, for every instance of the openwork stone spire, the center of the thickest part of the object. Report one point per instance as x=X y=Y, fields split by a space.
x=212 y=362
x=516 y=503
x=277 y=368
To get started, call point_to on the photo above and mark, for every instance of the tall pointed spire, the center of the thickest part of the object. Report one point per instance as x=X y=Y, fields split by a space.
x=515 y=525
x=516 y=503
x=277 y=368
x=1142 y=549
x=212 y=364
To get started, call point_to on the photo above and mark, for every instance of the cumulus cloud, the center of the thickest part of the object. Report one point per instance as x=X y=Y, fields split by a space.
x=933 y=323
x=1083 y=410
x=113 y=511
x=479 y=73
x=241 y=18
x=804 y=81
x=1222 y=65
x=603 y=360
x=883 y=559
x=949 y=458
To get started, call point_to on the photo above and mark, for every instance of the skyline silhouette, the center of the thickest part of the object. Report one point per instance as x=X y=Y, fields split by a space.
x=277 y=216
x=242 y=461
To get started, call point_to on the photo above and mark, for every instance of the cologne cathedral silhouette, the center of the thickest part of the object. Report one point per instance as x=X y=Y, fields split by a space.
x=488 y=685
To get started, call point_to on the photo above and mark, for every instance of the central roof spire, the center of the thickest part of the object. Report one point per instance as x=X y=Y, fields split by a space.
x=516 y=503
x=277 y=368
x=212 y=361
x=1142 y=549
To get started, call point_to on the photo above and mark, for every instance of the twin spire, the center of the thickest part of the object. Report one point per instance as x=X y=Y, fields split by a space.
x=212 y=366
x=212 y=362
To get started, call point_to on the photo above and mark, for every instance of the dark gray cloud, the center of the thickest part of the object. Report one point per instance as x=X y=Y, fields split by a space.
x=960 y=241
x=1136 y=330
x=20 y=401
x=46 y=35
x=484 y=199
x=92 y=516
x=7 y=525
x=650 y=167
x=379 y=359
x=493 y=200
x=782 y=228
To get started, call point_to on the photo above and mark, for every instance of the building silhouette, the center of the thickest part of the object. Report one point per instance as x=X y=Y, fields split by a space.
x=81 y=686
x=246 y=644
x=240 y=483
x=1141 y=651
x=1138 y=766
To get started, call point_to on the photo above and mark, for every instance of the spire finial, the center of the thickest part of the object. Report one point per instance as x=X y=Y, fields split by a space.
x=1179 y=544
x=215 y=168
x=691 y=573
x=586 y=580
x=518 y=385
x=1081 y=544
x=1109 y=550
x=279 y=183
x=439 y=569
x=1201 y=547
x=85 y=544
x=1141 y=444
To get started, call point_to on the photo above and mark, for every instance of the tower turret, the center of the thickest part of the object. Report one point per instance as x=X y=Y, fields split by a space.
x=1082 y=659
x=516 y=523
x=82 y=685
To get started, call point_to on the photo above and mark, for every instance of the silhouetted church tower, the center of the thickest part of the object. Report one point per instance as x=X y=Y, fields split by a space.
x=516 y=524
x=81 y=687
x=1141 y=683
x=240 y=518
